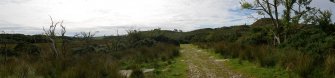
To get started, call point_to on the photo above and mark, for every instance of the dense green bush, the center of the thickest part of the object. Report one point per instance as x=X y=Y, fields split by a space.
x=311 y=39
x=256 y=36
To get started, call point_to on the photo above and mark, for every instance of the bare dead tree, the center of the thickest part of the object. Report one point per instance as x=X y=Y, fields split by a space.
x=51 y=35
x=87 y=36
x=64 y=40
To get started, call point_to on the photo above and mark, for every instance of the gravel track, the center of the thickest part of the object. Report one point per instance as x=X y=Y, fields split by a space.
x=202 y=65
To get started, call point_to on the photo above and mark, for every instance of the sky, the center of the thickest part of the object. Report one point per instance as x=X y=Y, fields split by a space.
x=108 y=17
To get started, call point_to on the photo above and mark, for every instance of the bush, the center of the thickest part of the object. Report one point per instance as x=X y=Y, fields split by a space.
x=145 y=42
x=256 y=36
x=84 y=50
x=8 y=52
x=92 y=67
x=266 y=56
x=263 y=55
x=298 y=62
x=27 y=49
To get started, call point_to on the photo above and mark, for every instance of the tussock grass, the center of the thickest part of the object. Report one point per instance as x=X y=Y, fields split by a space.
x=290 y=60
x=330 y=66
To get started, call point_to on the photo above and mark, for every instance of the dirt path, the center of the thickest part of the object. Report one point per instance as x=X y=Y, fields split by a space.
x=202 y=65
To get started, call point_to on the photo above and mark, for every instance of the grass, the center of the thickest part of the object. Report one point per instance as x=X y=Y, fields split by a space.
x=253 y=70
x=177 y=69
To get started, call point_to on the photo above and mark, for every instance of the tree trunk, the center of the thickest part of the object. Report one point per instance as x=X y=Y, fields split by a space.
x=53 y=47
x=63 y=53
x=277 y=38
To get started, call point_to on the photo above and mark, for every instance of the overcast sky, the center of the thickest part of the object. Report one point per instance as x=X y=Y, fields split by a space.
x=108 y=16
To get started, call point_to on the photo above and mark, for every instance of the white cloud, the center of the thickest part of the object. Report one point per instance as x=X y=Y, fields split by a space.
x=108 y=15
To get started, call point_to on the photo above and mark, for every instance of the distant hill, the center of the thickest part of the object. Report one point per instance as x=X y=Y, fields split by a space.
x=262 y=22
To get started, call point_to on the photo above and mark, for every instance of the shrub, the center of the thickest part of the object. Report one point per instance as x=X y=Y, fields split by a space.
x=84 y=50
x=94 y=68
x=145 y=42
x=8 y=52
x=256 y=36
x=265 y=56
x=304 y=65
x=27 y=49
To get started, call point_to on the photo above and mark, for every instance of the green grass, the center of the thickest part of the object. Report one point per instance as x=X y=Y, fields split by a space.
x=178 y=69
x=253 y=70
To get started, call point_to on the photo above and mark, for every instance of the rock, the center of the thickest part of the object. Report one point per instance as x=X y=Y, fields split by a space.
x=166 y=69
x=221 y=60
x=126 y=73
x=147 y=70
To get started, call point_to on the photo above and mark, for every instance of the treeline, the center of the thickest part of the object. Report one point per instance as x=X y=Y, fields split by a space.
x=21 y=38
x=16 y=38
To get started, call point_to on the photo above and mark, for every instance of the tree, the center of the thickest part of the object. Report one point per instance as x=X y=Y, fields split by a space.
x=52 y=36
x=302 y=7
x=325 y=22
x=312 y=17
x=88 y=36
x=270 y=8
x=64 y=40
x=293 y=12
